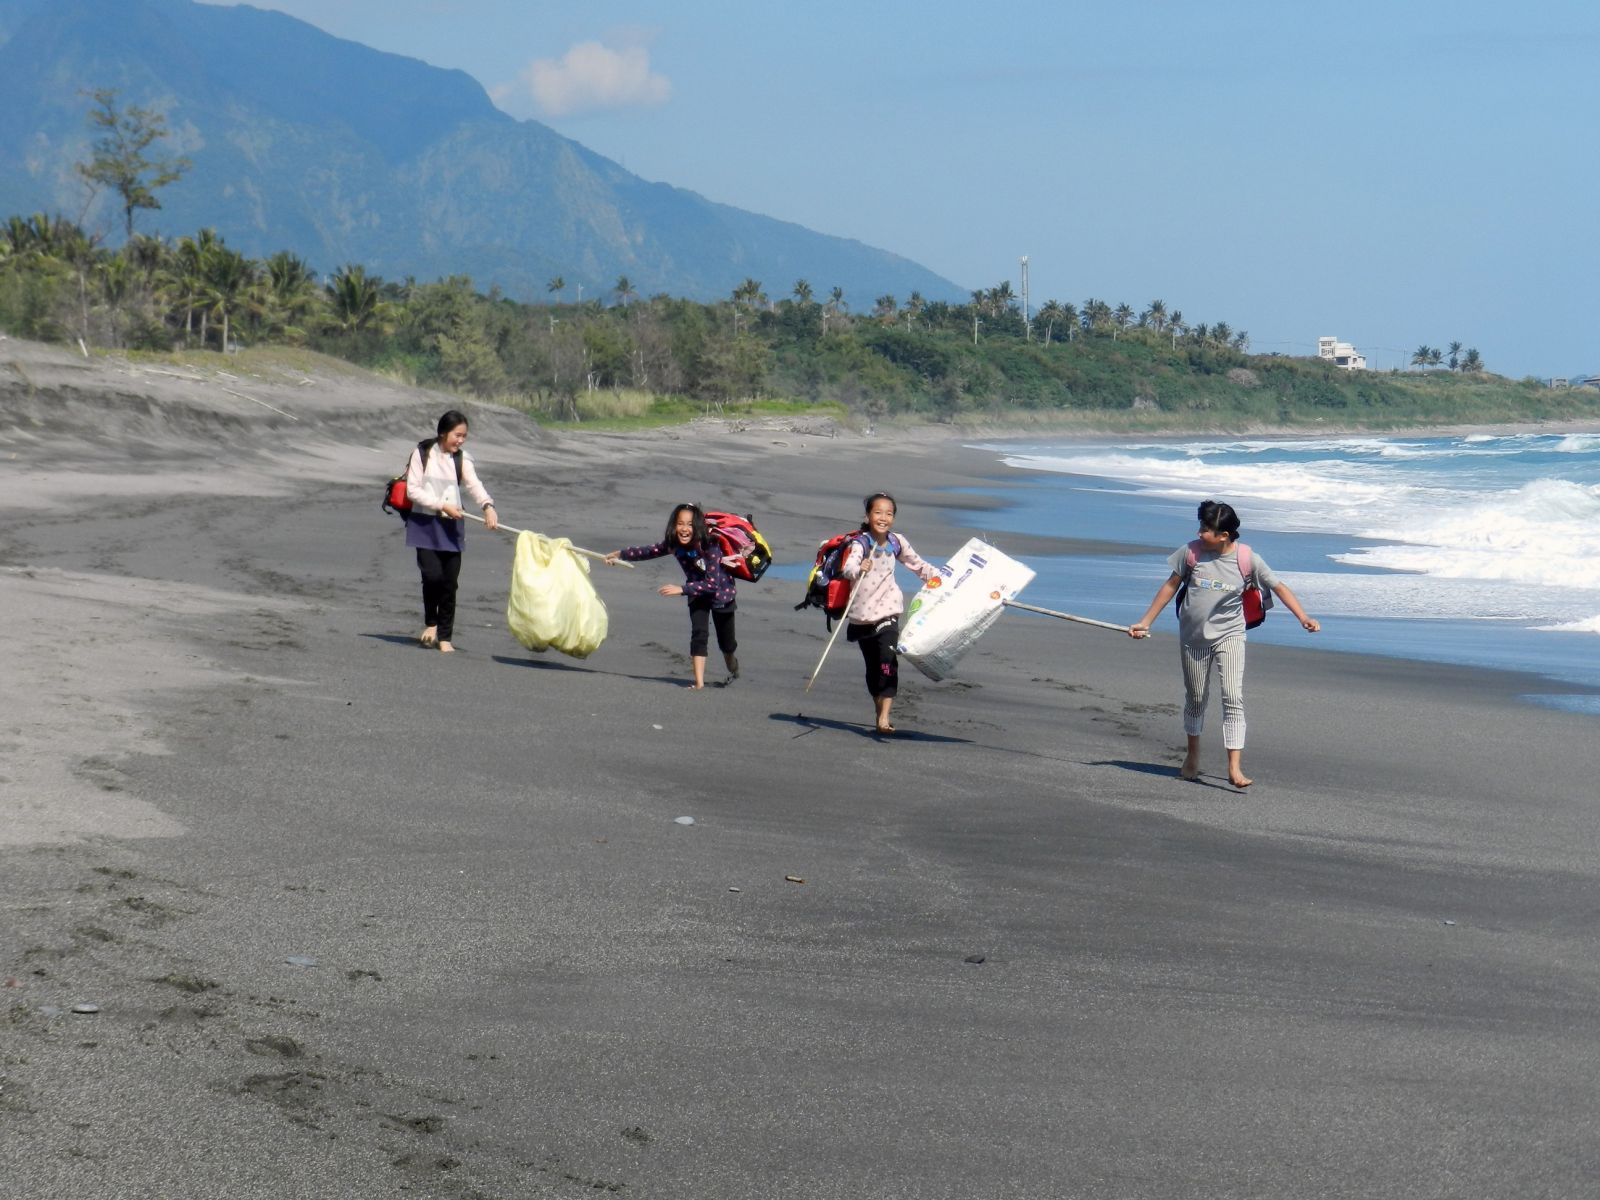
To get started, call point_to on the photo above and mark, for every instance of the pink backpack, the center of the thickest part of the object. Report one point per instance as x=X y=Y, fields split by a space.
x=1256 y=602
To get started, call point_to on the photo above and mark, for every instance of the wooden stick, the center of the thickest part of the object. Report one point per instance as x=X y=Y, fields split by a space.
x=843 y=617
x=263 y=403
x=574 y=549
x=1050 y=612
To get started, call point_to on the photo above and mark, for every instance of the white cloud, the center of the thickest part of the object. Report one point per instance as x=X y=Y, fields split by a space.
x=590 y=77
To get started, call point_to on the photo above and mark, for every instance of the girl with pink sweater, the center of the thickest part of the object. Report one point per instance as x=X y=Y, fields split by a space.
x=873 y=618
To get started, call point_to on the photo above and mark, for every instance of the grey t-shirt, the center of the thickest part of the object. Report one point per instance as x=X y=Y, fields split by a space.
x=1213 y=609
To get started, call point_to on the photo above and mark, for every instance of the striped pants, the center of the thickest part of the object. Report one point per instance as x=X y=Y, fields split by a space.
x=1228 y=658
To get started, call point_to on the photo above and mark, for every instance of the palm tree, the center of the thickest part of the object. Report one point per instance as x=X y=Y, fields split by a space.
x=885 y=308
x=356 y=301
x=226 y=280
x=802 y=291
x=556 y=286
x=1050 y=315
x=1472 y=363
x=1241 y=342
x=624 y=290
x=1435 y=357
x=1421 y=355
x=836 y=304
x=1455 y=355
x=290 y=292
x=1123 y=317
x=147 y=254
x=1222 y=332
x=186 y=281
x=748 y=294
x=1155 y=316
x=914 y=307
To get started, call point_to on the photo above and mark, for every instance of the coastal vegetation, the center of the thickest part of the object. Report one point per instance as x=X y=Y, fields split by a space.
x=622 y=355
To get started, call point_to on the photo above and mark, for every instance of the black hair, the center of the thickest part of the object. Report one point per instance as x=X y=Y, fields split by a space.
x=450 y=420
x=1219 y=518
x=697 y=539
x=866 y=505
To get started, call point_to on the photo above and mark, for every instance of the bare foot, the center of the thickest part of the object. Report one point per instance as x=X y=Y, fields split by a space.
x=885 y=728
x=1240 y=781
x=697 y=687
x=429 y=637
x=446 y=648
x=1190 y=771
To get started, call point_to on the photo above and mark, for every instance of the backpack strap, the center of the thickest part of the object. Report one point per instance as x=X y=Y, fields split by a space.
x=1191 y=556
x=1247 y=565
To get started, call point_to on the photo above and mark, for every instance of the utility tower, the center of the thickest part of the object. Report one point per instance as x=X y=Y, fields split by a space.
x=1027 y=322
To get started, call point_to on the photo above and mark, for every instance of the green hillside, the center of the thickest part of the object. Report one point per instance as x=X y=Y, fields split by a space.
x=343 y=153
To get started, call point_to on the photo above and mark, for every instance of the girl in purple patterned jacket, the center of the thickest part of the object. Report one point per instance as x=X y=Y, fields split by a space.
x=706 y=584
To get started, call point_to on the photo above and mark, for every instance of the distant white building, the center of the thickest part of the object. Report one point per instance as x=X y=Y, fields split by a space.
x=1341 y=354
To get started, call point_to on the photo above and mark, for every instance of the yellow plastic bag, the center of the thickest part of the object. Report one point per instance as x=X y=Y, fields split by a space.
x=552 y=602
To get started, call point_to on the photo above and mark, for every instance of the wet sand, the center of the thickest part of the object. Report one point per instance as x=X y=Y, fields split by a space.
x=1375 y=973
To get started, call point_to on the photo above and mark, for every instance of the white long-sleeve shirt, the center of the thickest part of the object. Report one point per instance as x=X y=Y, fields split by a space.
x=432 y=485
x=878 y=596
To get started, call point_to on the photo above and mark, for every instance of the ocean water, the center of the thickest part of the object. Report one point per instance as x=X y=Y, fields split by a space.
x=1481 y=550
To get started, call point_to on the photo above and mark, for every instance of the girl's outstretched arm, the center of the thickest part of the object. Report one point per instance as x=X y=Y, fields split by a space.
x=915 y=563
x=639 y=553
x=1164 y=593
x=1309 y=624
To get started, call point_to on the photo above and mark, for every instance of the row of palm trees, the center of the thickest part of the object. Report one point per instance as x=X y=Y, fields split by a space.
x=198 y=284
x=1453 y=357
x=1054 y=320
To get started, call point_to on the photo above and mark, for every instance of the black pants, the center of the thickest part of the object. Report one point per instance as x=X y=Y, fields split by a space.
x=440 y=570
x=700 y=615
x=877 y=643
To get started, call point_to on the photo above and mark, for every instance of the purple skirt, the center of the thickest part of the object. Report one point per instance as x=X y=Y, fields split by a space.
x=429 y=532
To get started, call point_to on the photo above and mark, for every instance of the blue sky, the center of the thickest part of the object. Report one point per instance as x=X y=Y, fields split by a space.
x=1391 y=173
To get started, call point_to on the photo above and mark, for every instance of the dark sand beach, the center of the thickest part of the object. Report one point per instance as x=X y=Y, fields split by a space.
x=1022 y=959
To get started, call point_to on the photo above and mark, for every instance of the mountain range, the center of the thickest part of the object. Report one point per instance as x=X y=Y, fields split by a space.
x=341 y=153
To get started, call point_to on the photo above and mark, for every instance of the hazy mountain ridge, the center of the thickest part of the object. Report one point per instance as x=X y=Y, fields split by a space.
x=304 y=141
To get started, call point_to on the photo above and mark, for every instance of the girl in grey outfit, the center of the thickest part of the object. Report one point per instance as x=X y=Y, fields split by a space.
x=1211 y=629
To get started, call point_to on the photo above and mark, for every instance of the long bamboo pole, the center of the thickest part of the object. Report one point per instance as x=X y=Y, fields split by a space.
x=1050 y=612
x=574 y=549
x=843 y=617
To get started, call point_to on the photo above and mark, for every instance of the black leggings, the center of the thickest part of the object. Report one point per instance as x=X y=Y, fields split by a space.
x=877 y=652
x=440 y=570
x=700 y=614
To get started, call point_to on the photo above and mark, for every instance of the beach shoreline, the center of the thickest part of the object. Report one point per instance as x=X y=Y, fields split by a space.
x=360 y=917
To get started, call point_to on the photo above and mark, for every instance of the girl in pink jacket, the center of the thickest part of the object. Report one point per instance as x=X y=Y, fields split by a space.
x=873 y=618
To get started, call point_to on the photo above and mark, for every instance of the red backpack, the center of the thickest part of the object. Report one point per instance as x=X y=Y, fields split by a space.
x=741 y=541
x=1255 y=601
x=825 y=587
x=395 y=497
